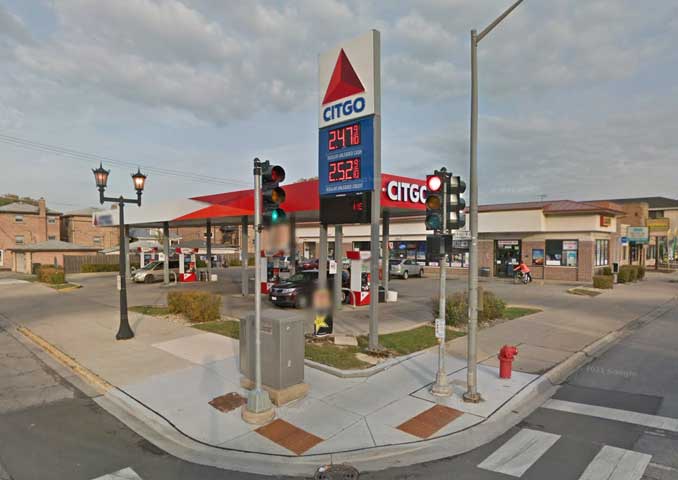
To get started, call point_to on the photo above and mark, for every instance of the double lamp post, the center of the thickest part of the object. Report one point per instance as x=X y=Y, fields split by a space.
x=101 y=177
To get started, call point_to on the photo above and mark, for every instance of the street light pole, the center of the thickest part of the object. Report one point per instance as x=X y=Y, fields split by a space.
x=472 y=394
x=139 y=179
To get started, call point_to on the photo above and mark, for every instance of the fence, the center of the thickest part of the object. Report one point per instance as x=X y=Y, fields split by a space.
x=74 y=263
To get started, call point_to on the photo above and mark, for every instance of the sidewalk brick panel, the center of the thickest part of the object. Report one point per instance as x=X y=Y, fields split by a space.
x=287 y=435
x=429 y=422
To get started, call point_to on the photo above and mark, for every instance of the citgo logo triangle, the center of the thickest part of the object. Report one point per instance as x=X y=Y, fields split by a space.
x=344 y=81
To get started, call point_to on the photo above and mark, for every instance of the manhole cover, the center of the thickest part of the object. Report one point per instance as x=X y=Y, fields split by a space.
x=228 y=402
x=337 y=472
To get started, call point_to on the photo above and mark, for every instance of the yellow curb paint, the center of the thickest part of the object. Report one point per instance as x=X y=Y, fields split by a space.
x=90 y=377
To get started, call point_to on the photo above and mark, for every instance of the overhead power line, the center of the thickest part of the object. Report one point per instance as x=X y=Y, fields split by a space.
x=89 y=157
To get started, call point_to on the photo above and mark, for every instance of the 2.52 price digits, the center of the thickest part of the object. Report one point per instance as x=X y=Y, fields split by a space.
x=342 y=170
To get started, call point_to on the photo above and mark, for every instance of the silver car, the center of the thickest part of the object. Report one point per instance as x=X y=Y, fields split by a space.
x=404 y=268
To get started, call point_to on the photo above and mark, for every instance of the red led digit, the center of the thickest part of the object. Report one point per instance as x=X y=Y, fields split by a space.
x=331 y=171
x=349 y=170
x=331 y=145
x=341 y=138
x=355 y=134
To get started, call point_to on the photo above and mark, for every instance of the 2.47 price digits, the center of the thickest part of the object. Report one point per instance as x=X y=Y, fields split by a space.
x=342 y=137
x=342 y=170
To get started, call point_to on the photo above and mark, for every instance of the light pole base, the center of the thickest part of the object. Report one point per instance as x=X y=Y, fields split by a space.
x=124 y=333
x=472 y=397
x=259 y=409
x=442 y=387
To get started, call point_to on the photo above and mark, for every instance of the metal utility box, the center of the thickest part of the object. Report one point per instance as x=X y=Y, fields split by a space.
x=282 y=348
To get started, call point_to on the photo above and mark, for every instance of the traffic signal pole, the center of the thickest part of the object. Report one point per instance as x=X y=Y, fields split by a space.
x=259 y=408
x=442 y=387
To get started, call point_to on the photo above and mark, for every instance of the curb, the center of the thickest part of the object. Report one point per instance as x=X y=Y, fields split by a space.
x=365 y=372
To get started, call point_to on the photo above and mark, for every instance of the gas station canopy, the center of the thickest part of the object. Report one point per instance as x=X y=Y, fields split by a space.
x=400 y=196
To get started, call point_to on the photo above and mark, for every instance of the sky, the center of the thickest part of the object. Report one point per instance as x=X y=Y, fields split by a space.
x=578 y=99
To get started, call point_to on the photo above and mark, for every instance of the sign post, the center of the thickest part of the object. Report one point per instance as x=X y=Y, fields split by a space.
x=349 y=146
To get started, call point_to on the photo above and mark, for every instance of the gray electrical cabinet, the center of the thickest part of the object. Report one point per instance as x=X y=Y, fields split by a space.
x=282 y=348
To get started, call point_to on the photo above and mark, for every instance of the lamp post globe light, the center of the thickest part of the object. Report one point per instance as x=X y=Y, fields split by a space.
x=139 y=179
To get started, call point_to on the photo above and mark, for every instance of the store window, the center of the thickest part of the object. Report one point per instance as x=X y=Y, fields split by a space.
x=602 y=253
x=561 y=253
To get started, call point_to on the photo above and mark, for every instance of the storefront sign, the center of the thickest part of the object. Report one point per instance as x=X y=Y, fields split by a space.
x=405 y=192
x=624 y=241
x=638 y=234
x=569 y=245
x=507 y=243
x=605 y=221
x=658 y=225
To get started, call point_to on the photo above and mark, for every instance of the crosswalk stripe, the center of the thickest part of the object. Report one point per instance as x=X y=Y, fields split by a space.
x=643 y=419
x=520 y=452
x=614 y=463
x=124 y=474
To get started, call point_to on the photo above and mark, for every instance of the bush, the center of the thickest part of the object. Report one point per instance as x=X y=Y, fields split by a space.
x=234 y=262
x=250 y=261
x=36 y=268
x=641 y=273
x=603 y=281
x=200 y=264
x=53 y=275
x=195 y=306
x=457 y=308
x=97 y=267
x=604 y=271
x=628 y=273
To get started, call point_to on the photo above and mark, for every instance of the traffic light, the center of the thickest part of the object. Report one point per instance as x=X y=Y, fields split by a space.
x=272 y=194
x=456 y=218
x=434 y=200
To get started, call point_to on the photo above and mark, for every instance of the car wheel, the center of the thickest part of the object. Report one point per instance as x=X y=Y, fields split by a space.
x=421 y=273
x=302 y=301
x=149 y=279
x=405 y=275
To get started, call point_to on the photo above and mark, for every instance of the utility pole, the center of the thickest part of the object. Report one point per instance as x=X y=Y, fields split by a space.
x=472 y=394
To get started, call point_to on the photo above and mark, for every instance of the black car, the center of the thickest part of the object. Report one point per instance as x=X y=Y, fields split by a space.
x=296 y=291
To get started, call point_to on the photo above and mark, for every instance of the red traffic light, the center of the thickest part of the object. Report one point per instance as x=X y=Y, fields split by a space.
x=277 y=173
x=433 y=183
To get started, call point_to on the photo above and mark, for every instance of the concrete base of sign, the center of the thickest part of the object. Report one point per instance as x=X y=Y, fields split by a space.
x=257 y=418
x=282 y=396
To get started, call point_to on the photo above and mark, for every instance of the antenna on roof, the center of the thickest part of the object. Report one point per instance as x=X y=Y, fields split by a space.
x=542 y=197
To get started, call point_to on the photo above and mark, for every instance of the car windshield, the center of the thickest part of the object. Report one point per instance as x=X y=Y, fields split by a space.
x=395 y=262
x=151 y=266
x=302 y=277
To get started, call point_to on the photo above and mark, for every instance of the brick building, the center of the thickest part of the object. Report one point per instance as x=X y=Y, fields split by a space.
x=50 y=252
x=23 y=224
x=77 y=227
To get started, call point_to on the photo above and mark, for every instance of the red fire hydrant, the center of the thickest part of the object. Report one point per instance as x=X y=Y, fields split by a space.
x=506 y=356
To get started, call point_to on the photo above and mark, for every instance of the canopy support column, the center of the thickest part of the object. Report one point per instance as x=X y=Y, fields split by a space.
x=208 y=235
x=166 y=249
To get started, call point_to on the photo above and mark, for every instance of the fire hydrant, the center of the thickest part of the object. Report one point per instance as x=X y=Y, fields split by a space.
x=506 y=356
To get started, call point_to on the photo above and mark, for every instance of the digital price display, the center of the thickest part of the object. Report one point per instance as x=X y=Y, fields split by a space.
x=342 y=137
x=346 y=157
x=341 y=170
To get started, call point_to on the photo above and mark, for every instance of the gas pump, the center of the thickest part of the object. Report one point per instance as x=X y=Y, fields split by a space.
x=185 y=276
x=263 y=270
x=360 y=277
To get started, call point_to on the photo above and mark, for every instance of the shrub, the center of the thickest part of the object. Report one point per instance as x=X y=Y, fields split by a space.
x=457 y=308
x=605 y=271
x=628 y=273
x=234 y=262
x=603 y=281
x=194 y=305
x=36 y=268
x=641 y=273
x=200 y=264
x=97 y=267
x=250 y=261
x=50 y=274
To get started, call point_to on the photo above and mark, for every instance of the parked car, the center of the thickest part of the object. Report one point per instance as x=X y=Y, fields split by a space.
x=404 y=268
x=297 y=290
x=310 y=264
x=154 y=271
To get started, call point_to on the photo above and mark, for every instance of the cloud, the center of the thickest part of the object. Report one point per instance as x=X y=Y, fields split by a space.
x=12 y=28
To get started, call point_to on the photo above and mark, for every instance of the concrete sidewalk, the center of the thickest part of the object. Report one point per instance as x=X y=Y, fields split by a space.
x=163 y=380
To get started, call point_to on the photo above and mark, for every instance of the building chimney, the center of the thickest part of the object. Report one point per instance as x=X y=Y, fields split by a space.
x=42 y=207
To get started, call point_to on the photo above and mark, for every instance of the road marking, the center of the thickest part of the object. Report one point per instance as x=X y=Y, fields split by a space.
x=520 y=452
x=653 y=421
x=614 y=463
x=124 y=474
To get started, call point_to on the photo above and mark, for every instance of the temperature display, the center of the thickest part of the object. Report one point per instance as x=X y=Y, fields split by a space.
x=342 y=170
x=342 y=137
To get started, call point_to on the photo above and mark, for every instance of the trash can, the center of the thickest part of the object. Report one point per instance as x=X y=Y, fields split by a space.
x=382 y=294
x=282 y=348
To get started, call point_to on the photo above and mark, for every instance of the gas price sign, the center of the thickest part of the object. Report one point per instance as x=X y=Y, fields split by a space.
x=346 y=153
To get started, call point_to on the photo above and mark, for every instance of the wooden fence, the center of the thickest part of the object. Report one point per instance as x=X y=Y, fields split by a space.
x=74 y=263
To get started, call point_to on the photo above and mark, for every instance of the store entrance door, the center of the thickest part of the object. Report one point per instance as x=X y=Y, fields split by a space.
x=506 y=257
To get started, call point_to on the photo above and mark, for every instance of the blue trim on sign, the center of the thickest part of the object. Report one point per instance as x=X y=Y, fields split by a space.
x=365 y=151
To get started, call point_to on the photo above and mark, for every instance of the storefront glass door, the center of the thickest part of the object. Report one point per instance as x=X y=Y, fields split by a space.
x=506 y=257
